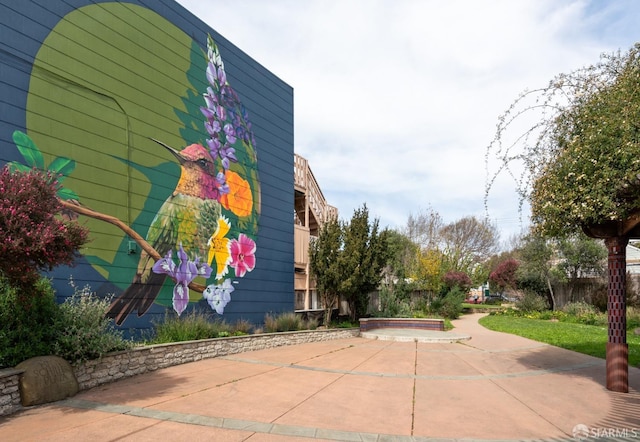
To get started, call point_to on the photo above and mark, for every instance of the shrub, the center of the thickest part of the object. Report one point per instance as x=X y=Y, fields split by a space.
x=451 y=307
x=391 y=306
x=287 y=321
x=532 y=302
x=84 y=332
x=242 y=327
x=189 y=327
x=579 y=308
x=311 y=323
x=33 y=236
x=633 y=318
x=584 y=313
x=27 y=322
x=436 y=305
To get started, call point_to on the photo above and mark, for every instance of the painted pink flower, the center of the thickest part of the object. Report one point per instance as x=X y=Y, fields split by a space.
x=243 y=257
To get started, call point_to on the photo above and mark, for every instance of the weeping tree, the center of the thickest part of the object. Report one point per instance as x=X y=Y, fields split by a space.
x=578 y=165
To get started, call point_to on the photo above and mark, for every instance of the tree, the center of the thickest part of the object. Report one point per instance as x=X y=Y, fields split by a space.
x=347 y=260
x=423 y=229
x=582 y=170
x=364 y=255
x=504 y=277
x=580 y=256
x=32 y=237
x=460 y=280
x=536 y=272
x=430 y=270
x=399 y=266
x=402 y=253
x=325 y=265
x=468 y=242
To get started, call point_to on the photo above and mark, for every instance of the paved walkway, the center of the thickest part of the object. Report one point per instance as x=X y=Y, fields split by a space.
x=492 y=387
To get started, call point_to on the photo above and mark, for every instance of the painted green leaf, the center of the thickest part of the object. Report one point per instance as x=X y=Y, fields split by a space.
x=68 y=194
x=63 y=166
x=28 y=149
x=17 y=167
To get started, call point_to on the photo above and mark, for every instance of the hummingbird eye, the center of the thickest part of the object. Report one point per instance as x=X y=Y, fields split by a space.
x=203 y=163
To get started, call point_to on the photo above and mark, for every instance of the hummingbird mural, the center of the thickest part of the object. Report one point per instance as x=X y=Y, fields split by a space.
x=214 y=190
x=187 y=218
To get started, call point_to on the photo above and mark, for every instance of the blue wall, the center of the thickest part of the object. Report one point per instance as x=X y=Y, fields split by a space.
x=91 y=81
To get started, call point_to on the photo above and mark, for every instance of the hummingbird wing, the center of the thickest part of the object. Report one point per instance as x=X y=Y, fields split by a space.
x=163 y=236
x=182 y=219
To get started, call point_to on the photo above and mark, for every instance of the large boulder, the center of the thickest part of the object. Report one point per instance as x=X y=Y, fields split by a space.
x=46 y=379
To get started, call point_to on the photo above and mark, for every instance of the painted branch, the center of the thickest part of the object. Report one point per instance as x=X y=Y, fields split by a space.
x=81 y=210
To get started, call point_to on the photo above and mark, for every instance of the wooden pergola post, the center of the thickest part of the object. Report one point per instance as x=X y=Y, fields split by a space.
x=616 y=235
x=617 y=347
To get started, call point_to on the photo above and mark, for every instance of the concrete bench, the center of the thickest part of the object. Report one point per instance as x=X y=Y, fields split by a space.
x=367 y=324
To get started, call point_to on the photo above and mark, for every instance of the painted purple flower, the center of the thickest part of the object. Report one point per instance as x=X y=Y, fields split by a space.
x=183 y=273
x=243 y=258
x=210 y=98
x=218 y=295
x=212 y=73
x=222 y=186
x=221 y=111
x=212 y=127
x=227 y=153
x=230 y=132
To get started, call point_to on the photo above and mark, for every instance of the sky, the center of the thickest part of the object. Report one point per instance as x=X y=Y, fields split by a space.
x=396 y=101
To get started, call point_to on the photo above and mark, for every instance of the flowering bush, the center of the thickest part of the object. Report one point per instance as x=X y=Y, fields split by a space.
x=83 y=330
x=32 y=238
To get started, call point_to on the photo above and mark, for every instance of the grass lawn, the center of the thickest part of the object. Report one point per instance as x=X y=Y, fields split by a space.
x=587 y=339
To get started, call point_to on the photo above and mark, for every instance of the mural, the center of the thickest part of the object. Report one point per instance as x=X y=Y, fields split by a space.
x=184 y=220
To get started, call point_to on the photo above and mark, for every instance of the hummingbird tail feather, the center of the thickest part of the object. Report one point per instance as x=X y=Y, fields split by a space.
x=138 y=296
x=149 y=292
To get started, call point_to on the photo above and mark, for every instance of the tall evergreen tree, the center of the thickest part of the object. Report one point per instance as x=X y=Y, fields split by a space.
x=364 y=256
x=324 y=262
x=347 y=259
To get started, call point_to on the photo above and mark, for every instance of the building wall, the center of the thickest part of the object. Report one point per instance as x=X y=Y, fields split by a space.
x=87 y=86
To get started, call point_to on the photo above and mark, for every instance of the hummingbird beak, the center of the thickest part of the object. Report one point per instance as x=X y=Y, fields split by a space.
x=175 y=153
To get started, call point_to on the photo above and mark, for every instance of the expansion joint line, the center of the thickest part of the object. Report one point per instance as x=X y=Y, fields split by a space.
x=415 y=380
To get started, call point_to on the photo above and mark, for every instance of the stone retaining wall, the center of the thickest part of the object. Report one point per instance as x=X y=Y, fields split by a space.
x=9 y=391
x=124 y=364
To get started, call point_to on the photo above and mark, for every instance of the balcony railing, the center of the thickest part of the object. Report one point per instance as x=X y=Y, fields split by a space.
x=305 y=182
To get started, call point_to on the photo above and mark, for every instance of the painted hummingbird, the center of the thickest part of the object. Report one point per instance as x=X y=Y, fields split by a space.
x=188 y=216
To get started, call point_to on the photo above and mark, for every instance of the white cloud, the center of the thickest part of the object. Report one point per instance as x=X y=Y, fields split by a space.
x=397 y=100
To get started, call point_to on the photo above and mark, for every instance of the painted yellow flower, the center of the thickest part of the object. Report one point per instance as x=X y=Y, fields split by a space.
x=219 y=248
x=239 y=199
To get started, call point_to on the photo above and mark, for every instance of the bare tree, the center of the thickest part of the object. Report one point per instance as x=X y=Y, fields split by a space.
x=423 y=229
x=468 y=242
